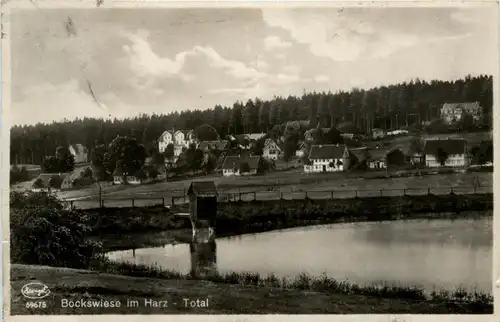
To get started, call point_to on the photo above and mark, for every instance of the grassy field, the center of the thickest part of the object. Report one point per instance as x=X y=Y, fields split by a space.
x=291 y=185
x=241 y=296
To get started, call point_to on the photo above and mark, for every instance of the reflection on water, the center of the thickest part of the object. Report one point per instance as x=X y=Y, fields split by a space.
x=430 y=253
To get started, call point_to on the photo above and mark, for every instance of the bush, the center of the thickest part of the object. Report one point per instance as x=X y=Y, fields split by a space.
x=44 y=232
x=18 y=174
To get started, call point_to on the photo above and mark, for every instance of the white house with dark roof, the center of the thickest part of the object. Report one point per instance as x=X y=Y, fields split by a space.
x=79 y=151
x=328 y=158
x=445 y=152
x=180 y=139
x=165 y=139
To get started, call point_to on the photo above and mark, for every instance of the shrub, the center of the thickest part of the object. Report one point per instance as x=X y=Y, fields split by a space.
x=44 y=232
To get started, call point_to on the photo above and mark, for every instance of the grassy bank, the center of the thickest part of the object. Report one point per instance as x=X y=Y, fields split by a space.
x=258 y=216
x=230 y=293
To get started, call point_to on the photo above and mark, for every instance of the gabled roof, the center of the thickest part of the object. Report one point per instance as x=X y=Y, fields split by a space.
x=203 y=189
x=361 y=153
x=377 y=154
x=185 y=132
x=450 y=146
x=45 y=177
x=326 y=151
x=233 y=162
x=269 y=142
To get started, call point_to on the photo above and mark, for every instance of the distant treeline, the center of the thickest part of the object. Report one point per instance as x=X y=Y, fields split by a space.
x=388 y=107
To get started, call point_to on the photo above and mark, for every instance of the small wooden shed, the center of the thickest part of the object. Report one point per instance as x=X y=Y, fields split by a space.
x=203 y=201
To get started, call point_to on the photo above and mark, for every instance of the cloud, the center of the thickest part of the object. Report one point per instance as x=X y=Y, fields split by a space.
x=322 y=78
x=146 y=63
x=46 y=102
x=348 y=37
x=275 y=42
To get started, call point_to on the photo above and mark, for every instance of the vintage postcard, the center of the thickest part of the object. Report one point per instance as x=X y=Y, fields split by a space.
x=249 y=158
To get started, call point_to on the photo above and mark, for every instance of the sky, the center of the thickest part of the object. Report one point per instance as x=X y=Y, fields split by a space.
x=164 y=60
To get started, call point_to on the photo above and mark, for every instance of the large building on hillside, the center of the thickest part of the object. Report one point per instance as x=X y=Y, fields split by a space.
x=453 y=112
x=328 y=158
x=180 y=139
x=445 y=152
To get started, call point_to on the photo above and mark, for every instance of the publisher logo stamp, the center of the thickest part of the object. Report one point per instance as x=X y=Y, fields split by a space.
x=35 y=291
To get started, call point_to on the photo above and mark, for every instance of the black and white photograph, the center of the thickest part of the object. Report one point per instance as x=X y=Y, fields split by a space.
x=260 y=159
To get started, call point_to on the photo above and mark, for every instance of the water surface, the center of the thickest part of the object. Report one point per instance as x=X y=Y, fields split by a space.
x=434 y=254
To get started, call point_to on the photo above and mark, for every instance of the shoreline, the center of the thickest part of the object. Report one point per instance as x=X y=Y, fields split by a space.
x=255 y=294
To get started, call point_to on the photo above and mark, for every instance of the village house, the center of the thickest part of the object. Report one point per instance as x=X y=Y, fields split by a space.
x=327 y=158
x=119 y=177
x=453 y=112
x=240 y=165
x=378 y=133
x=445 y=152
x=79 y=151
x=309 y=134
x=180 y=139
x=377 y=159
x=271 y=150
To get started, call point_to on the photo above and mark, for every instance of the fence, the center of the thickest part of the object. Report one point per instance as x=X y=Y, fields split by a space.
x=286 y=195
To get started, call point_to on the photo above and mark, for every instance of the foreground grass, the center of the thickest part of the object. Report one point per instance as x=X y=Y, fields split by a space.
x=228 y=294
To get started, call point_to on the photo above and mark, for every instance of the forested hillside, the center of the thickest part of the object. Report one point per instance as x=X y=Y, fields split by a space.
x=388 y=107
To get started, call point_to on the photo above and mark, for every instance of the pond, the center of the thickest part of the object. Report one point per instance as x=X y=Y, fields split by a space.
x=434 y=254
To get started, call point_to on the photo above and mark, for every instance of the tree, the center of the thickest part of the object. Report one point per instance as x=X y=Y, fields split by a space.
x=97 y=161
x=333 y=136
x=66 y=161
x=18 y=174
x=38 y=184
x=466 y=123
x=388 y=110
x=395 y=157
x=441 y=156
x=210 y=164
x=50 y=165
x=55 y=182
x=258 y=147
x=244 y=167
x=159 y=162
x=197 y=160
x=206 y=132
x=482 y=153
x=44 y=232
x=126 y=152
